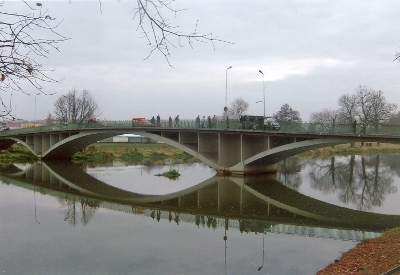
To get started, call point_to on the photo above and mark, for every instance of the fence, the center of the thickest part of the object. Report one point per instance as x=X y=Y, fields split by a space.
x=312 y=128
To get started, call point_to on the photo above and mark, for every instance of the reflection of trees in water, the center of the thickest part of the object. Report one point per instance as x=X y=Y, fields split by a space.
x=364 y=182
x=392 y=162
x=78 y=211
x=326 y=174
x=289 y=172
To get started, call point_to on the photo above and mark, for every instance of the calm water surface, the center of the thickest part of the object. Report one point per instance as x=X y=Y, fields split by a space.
x=222 y=226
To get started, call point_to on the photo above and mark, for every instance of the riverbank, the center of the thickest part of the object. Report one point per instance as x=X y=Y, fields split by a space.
x=17 y=154
x=137 y=152
x=356 y=149
x=373 y=257
x=131 y=152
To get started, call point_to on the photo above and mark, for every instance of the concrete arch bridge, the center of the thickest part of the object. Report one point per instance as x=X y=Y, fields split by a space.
x=227 y=151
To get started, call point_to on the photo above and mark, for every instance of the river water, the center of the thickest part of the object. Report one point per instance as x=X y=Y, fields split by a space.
x=58 y=218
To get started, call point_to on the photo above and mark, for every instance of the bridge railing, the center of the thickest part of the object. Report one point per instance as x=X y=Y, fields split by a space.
x=312 y=128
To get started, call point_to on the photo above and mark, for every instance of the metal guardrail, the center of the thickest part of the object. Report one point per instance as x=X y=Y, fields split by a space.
x=310 y=128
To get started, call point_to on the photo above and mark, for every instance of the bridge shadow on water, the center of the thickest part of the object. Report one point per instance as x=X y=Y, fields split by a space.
x=257 y=204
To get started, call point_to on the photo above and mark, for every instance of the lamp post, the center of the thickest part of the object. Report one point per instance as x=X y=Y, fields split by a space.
x=263 y=89
x=263 y=254
x=226 y=89
x=34 y=117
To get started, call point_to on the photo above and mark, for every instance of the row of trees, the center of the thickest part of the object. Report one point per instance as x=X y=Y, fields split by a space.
x=366 y=106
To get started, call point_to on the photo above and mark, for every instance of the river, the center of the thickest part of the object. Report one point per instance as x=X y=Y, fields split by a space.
x=59 y=218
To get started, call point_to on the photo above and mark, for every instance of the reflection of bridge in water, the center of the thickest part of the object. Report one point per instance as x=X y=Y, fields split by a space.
x=257 y=204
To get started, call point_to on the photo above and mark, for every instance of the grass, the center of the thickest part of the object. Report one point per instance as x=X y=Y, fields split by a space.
x=171 y=174
x=356 y=149
x=17 y=154
x=133 y=152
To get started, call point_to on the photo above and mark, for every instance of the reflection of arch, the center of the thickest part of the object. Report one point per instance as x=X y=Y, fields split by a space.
x=227 y=151
x=237 y=198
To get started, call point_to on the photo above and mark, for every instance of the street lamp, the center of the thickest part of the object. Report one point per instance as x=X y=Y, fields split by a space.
x=263 y=89
x=34 y=117
x=226 y=89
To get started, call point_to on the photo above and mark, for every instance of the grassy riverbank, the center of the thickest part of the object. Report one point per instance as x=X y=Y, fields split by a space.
x=356 y=149
x=131 y=152
x=17 y=154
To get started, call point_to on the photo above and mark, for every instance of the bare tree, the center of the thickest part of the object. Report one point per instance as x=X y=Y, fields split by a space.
x=75 y=107
x=381 y=110
x=348 y=108
x=238 y=107
x=24 y=40
x=326 y=118
x=373 y=107
x=368 y=106
x=364 y=103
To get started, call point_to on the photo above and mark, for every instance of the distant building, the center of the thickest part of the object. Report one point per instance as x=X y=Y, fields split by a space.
x=13 y=125
x=130 y=138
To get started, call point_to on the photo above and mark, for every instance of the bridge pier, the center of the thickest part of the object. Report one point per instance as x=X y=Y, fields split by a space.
x=241 y=170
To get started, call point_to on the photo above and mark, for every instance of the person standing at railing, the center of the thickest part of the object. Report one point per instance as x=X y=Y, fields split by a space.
x=170 y=121
x=214 y=122
x=177 y=121
x=209 y=124
x=197 y=121
x=333 y=124
x=153 y=121
x=363 y=127
x=354 y=126
x=158 y=121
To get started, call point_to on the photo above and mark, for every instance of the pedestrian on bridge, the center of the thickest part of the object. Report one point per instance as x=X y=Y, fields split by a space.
x=203 y=122
x=170 y=121
x=214 y=122
x=354 y=126
x=158 y=121
x=177 y=121
x=198 y=121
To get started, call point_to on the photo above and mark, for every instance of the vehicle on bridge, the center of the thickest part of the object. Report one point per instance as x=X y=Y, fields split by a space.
x=258 y=123
x=140 y=122
x=271 y=124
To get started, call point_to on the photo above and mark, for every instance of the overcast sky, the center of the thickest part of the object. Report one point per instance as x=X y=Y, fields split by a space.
x=311 y=53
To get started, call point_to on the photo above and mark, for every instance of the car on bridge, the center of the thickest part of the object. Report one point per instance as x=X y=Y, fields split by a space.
x=140 y=122
x=271 y=124
x=258 y=123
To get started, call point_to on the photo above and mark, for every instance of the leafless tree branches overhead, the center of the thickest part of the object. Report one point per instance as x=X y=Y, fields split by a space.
x=24 y=40
x=160 y=33
x=397 y=57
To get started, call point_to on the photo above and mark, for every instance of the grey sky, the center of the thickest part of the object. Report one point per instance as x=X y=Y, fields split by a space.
x=311 y=53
